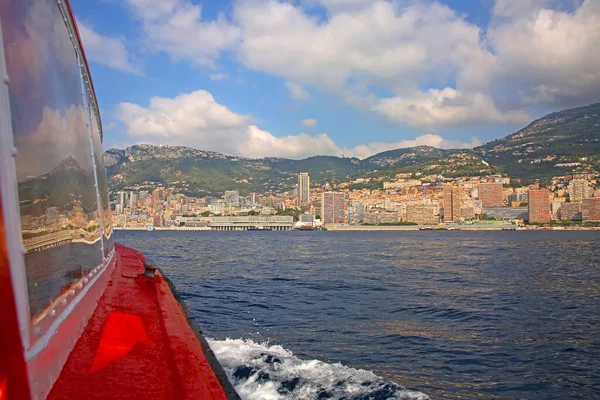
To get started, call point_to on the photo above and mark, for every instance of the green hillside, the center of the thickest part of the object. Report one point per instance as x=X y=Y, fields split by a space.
x=559 y=143
x=540 y=149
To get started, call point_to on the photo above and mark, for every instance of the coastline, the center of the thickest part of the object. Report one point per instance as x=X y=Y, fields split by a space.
x=413 y=228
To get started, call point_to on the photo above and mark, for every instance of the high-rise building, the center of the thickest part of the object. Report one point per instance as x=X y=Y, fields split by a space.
x=303 y=188
x=452 y=203
x=590 y=209
x=490 y=194
x=333 y=208
x=539 y=206
x=579 y=189
x=570 y=211
x=158 y=195
x=421 y=214
x=133 y=200
x=254 y=198
x=232 y=198
x=122 y=199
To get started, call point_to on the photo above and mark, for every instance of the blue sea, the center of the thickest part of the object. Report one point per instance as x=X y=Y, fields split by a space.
x=393 y=315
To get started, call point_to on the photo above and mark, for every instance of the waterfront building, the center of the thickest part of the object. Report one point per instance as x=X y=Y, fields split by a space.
x=452 y=203
x=307 y=218
x=490 y=194
x=232 y=198
x=539 y=206
x=333 y=208
x=422 y=214
x=376 y=216
x=303 y=188
x=356 y=212
x=570 y=211
x=508 y=213
x=579 y=189
x=237 y=223
x=254 y=198
x=467 y=212
x=590 y=209
x=555 y=207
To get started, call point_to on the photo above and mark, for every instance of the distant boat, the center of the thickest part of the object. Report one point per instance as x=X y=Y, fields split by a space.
x=150 y=228
x=310 y=228
x=260 y=228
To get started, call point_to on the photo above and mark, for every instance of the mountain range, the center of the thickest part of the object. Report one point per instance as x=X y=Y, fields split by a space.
x=559 y=143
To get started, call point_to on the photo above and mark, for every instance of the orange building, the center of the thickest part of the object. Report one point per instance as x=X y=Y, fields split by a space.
x=490 y=194
x=539 y=206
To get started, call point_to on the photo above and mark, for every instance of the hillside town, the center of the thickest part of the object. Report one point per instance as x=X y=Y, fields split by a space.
x=409 y=200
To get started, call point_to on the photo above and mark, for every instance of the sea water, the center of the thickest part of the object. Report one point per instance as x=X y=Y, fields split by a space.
x=365 y=315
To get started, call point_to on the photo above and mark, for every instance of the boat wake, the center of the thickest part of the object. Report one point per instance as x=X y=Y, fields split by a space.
x=263 y=372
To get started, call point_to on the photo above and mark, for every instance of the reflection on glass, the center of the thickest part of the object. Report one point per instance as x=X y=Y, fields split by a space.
x=55 y=172
x=105 y=216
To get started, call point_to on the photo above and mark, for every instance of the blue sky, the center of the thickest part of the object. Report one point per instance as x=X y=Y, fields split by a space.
x=354 y=77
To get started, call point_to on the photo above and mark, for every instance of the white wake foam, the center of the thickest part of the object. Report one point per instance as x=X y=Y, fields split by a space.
x=263 y=372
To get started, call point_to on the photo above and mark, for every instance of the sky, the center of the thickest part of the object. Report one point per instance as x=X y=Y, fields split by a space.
x=299 y=78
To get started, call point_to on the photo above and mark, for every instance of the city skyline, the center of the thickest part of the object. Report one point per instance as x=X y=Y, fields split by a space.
x=405 y=200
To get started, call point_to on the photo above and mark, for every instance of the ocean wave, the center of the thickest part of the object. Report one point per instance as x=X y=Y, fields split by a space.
x=270 y=372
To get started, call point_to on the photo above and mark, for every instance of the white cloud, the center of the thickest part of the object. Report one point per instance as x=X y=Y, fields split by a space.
x=309 y=123
x=341 y=5
x=517 y=9
x=549 y=56
x=197 y=120
x=383 y=44
x=296 y=91
x=218 y=76
x=177 y=28
x=530 y=54
x=447 y=107
x=105 y=50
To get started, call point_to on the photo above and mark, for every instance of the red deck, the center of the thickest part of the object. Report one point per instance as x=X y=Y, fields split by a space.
x=137 y=345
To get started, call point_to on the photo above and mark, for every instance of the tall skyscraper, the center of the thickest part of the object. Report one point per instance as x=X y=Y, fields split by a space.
x=133 y=200
x=303 y=188
x=158 y=195
x=539 y=205
x=333 y=208
x=490 y=194
x=452 y=203
x=122 y=199
x=254 y=198
x=579 y=189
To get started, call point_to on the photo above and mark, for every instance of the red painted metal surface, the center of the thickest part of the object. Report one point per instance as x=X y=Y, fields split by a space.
x=13 y=371
x=138 y=344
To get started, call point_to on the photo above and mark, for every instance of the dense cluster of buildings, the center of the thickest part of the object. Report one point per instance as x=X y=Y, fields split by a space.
x=407 y=198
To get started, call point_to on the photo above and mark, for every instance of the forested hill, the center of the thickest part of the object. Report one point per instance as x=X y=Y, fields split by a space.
x=559 y=143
